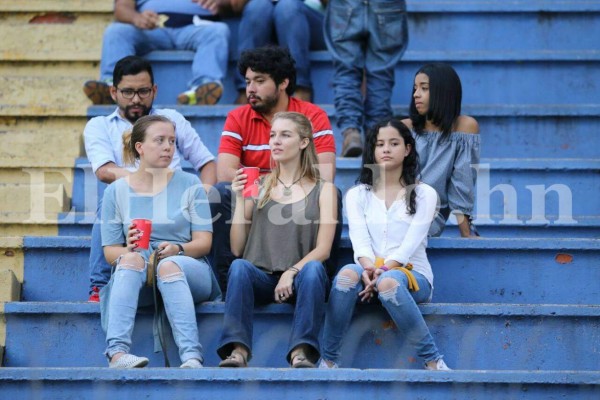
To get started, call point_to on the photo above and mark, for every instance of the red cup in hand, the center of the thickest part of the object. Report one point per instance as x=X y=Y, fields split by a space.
x=145 y=228
x=251 y=185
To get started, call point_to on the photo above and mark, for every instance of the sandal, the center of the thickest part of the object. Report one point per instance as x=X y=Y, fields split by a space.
x=299 y=361
x=234 y=360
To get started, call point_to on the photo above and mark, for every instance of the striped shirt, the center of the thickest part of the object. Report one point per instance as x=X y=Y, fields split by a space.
x=246 y=133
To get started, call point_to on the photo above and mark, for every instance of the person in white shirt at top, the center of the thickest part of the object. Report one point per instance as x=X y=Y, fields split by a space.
x=389 y=214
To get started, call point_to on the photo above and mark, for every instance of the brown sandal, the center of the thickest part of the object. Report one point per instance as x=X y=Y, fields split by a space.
x=299 y=361
x=235 y=360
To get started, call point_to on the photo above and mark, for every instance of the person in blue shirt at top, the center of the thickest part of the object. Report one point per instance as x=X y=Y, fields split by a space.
x=389 y=214
x=143 y=26
x=448 y=144
x=176 y=203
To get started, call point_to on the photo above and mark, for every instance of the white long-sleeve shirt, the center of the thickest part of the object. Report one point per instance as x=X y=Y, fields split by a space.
x=392 y=234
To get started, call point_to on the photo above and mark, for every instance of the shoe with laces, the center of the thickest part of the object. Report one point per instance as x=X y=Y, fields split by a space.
x=207 y=94
x=128 y=361
x=323 y=364
x=98 y=92
x=192 y=363
x=95 y=295
x=440 y=365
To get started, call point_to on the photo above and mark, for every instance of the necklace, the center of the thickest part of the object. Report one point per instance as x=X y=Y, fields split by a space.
x=287 y=190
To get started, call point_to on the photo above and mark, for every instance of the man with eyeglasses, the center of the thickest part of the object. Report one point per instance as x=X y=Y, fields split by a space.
x=142 y=26
x=133 y=92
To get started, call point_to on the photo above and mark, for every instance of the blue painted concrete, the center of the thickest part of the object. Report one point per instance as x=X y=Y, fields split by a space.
x=538 y=190
x=80 y=224
x=512 y=337
x=511 y=131
x=487 y=270
x=487 y=78
x=256 y=384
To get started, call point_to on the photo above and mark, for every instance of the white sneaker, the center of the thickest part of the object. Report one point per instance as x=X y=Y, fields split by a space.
x=127 y=361
x=440 y=365
x=192 y=363
x=323 y=364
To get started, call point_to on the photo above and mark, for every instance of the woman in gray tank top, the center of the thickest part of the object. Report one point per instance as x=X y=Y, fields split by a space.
x=283 y=237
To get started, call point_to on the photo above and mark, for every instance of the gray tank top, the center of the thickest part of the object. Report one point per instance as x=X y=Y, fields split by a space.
x=282 y=234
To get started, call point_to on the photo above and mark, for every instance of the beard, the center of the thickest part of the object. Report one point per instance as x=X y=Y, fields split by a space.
x=266 y=105
x=133 y=116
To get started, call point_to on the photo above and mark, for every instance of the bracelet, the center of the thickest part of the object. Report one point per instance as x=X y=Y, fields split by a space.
x=383 y=267
x=294 y=269
x=180 y=249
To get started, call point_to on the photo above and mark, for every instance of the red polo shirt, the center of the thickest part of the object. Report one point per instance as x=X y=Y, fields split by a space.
x=246 y=133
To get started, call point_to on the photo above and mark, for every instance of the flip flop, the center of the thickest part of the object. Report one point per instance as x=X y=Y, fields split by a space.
x=234 y=360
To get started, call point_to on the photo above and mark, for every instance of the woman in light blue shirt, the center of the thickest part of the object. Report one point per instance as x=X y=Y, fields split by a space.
x=389 y=215
x=176 y=204
x=447 y=143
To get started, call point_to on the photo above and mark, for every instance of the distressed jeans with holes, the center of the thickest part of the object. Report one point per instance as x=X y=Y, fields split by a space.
x=400 y=303
x=180 y=291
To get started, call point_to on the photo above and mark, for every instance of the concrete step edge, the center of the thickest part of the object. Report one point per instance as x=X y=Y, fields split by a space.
x=475 y=110
x=214 y=375
x=496 y=55
x=507 y=244
x=464 y=309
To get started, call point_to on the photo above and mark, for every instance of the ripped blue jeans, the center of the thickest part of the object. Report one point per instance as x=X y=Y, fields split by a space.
x=180 y=291
x=400 y=303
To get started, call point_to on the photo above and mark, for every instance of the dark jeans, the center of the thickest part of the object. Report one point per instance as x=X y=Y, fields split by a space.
x=248 y=285
x=98 y=266
x=220 y=208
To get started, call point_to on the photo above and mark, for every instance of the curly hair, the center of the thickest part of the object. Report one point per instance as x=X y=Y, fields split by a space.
x=275 y=61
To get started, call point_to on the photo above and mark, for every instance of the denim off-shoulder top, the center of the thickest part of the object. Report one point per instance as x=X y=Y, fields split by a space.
x=446 y=165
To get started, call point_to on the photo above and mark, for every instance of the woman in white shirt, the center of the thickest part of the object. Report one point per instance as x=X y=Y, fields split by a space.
x=389 y=215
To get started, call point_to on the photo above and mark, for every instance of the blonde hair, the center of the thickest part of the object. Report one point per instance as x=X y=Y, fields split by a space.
x=308 y=155
x=138 y=134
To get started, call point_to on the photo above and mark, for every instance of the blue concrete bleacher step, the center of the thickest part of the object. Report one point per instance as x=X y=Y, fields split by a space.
x=258 y=384
x=548 y=41
x=538 y=190
x=488 y=270
x=507 y=130
x=508 y=336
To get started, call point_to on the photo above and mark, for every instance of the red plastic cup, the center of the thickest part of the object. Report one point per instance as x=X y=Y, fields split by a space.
x=145 y=227
x=251 y=186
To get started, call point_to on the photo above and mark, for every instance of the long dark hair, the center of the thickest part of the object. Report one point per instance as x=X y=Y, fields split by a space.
x=410 y=166
x=445 y=97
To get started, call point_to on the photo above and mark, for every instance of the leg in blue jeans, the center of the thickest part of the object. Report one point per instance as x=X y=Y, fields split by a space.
x=368 y=37
x=299 y=28
x=210 y=42
x=401 y=304
x=345 y=33
x=255 y=30
x=388 y=38
x=246 y=285
x=310 y=288
x=98 y=267
x=183 y=282
x=220 y=209
x=340 y=308
x=121 y=40
x=128 y=279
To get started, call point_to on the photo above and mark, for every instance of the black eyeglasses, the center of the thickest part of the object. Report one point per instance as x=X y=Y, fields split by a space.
x=130 y=93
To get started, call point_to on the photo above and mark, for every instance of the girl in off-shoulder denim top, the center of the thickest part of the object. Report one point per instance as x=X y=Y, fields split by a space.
x=447 y=143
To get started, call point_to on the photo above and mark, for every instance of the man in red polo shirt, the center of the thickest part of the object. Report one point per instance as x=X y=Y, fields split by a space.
x=270 y=80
